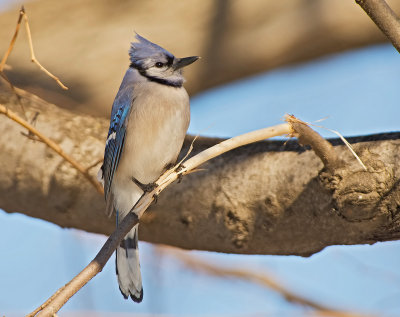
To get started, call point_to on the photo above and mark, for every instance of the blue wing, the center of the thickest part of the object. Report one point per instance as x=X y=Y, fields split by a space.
x=115 y=143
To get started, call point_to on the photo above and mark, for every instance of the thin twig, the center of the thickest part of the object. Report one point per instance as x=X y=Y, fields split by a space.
x=195 y=263
x=384 y=18
x=54 y=146
x=11 y=46
x=33 y=58
x=94 y=164
x=144 y=202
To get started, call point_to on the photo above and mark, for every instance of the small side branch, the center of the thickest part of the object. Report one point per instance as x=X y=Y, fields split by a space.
x=384 y=18
x=51 y=144
x=322 y=148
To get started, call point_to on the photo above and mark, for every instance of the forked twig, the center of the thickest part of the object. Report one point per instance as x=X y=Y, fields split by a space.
x=22 y=14
x=54 y=146
x=24 y=122
x=33 y=58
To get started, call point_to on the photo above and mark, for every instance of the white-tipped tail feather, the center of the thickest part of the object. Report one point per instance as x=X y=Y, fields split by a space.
x=128 y=267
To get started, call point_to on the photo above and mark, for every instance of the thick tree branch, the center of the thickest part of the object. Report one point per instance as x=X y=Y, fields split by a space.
x=245 y=201
x=384 y=17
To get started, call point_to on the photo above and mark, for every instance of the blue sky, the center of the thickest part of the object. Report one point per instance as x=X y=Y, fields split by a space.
x=358 y=91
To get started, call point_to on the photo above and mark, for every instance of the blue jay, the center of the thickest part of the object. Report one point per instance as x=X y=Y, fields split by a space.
x=149 y=119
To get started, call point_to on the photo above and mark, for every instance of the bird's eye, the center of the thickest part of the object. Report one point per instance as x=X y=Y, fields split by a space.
x=159 y=64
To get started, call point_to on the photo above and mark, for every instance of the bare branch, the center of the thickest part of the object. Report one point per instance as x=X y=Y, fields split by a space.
x=144 y=202
x=51 y=144
x=11 y=46
x=384 y=18
x=321 y=147
x=33 y=58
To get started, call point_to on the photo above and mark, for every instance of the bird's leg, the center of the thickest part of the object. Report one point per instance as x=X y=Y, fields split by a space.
x=145 y=187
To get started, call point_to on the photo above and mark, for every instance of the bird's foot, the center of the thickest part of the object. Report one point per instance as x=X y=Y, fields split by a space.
x=155 y=196
x=145 y=187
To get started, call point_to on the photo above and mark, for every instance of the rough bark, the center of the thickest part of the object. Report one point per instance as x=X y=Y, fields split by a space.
x=264 y=198
x=85 y=43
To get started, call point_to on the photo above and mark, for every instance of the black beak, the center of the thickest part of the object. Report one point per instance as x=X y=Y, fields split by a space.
x=185 y=61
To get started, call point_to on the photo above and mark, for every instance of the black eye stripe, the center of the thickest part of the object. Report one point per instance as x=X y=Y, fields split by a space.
x=170 y=60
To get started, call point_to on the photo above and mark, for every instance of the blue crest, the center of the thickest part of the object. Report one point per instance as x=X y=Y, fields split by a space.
x=143 y=52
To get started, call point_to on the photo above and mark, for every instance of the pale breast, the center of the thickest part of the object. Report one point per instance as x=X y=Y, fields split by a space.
x=156 y=129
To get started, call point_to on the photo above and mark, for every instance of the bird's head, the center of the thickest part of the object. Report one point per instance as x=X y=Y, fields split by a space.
x=156 y=63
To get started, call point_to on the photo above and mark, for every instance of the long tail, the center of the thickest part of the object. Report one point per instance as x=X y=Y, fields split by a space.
x=128 y=267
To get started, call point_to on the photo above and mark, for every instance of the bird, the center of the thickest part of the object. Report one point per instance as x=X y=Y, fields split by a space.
x=149 y=119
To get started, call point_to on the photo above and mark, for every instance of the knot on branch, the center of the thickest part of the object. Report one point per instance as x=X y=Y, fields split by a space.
x=358 y=194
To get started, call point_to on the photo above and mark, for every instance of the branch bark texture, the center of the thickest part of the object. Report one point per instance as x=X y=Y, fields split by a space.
x=264 y=198
x=384 y=17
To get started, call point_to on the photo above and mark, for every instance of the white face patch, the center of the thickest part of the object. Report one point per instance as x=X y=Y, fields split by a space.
x=160 y=72
x=111 y=137
x=166 y=73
